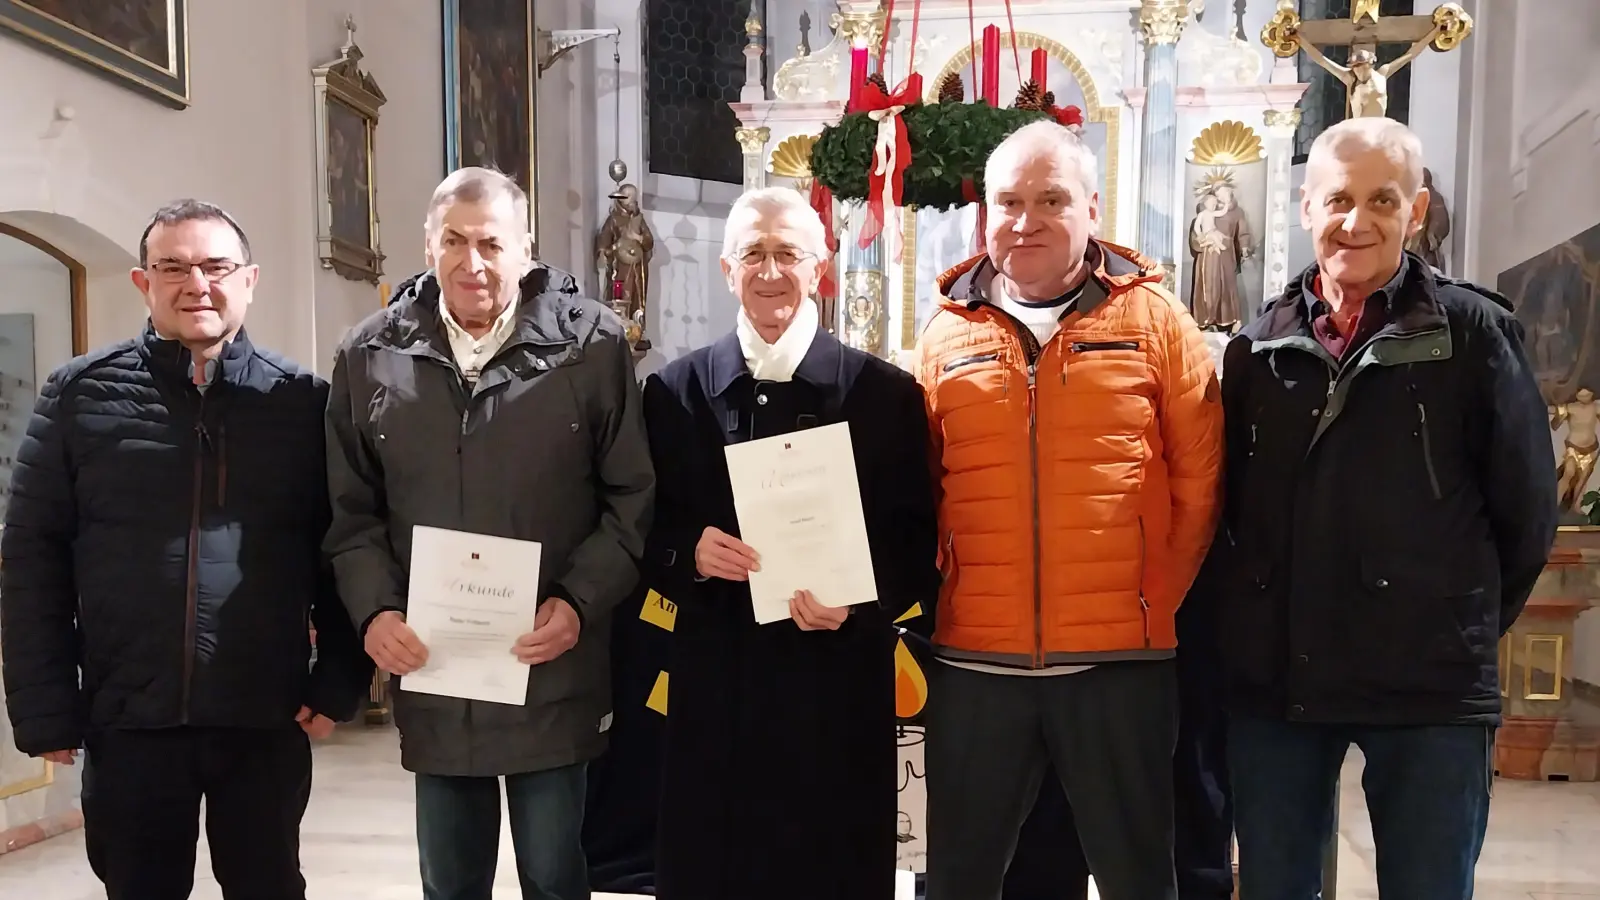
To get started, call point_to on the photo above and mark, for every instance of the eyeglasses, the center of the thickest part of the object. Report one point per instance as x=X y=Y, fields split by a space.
x=212 y=270
x=784 y=257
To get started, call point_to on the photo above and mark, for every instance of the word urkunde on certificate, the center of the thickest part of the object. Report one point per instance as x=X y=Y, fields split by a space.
x=799 y=507
x=471 y=596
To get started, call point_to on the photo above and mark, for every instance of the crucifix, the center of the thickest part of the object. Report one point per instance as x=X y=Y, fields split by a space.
x=1366 y=82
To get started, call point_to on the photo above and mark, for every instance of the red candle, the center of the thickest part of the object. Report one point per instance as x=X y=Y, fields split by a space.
x=1040 y=59
x=858 y=73
x=991 y=65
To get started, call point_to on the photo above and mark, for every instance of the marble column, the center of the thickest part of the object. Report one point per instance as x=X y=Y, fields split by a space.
x=1281 y=126
x=753 y=142
x=1161 y=22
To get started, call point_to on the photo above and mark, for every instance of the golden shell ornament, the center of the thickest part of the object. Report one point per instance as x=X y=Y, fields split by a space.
x=1228 y=143
x=792 y=157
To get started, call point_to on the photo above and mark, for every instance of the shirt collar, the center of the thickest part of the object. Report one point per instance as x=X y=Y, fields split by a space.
x=1317 y=307
x=497 y=331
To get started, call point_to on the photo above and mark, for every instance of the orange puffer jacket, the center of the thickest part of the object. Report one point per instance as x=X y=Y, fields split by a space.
x=1079 y=494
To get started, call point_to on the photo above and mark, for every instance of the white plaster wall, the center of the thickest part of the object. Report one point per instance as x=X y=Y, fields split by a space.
x=33 y=282
x=245 y=142
x=1534 y=136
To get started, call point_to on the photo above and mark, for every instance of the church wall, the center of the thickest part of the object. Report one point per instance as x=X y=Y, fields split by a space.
x=1536 y=130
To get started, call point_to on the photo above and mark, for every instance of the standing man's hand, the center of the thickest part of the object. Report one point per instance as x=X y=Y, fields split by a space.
x=555 y=631
x=393 y=645
x=813 y=616
x=60 y=757
x=721 y=555
x=315 y=725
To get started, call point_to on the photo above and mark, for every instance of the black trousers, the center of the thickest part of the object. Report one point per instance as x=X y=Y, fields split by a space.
x=141 y=810
x=1109 y=734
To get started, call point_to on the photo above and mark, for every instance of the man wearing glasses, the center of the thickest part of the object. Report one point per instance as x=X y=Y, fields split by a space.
x=162 y=574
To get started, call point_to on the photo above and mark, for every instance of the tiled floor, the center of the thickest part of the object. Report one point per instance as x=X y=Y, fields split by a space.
x=1544 y=839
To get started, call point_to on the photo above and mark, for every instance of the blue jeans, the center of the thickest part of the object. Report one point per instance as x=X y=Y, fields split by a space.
x=458 y=834
x=1427 y=790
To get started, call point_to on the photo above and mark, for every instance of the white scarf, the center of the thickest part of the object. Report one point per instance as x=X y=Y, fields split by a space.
x=777 y=361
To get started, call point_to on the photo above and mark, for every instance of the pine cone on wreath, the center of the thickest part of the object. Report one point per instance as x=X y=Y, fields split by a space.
x=1029 y=97
x=877 y=79
x=951 y=90
x=1049 y=100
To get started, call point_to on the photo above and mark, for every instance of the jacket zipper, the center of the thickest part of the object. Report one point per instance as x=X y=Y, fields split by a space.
x=1032 y=352
x=222 y=465
x=1033 y=483
x=1144 y=604
x=202 y=446
x=1427 y=451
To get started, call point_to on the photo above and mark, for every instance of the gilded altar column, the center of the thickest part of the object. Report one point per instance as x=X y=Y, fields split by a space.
x=1161 y=22
x=1281 y=126
x=862 y=309
x=753 y=141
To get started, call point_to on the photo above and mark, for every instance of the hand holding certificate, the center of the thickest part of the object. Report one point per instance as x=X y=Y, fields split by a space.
x=471 y=597
x=799 y=506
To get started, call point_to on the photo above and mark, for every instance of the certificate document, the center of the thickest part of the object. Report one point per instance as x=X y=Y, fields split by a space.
x=799 y=507
x=471 y=597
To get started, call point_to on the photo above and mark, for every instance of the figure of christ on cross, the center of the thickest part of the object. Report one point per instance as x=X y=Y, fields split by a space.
x=1367 y=83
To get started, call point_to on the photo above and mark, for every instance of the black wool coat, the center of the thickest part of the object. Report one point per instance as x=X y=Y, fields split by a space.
x=779 y=777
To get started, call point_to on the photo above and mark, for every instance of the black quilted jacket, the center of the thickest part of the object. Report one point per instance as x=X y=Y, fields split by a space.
x=163 y=542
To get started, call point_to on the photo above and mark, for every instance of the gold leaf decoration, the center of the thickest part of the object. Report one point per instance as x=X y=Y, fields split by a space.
x=1227 y=143
x=792 y=158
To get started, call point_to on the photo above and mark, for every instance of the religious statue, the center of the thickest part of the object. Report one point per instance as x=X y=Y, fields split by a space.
x=1582 y=448
x=1366 y=82
x=1428 y=241
x=623 y=249
x=1219 y=243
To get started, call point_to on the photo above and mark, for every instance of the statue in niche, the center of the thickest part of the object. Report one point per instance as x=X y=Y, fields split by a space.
x=1582 y=448
x=1366 y=81
x=623 y=250
x=1429 y=240
x=1219 y=243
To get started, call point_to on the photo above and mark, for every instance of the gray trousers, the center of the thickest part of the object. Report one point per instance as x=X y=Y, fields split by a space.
x=1110 y=733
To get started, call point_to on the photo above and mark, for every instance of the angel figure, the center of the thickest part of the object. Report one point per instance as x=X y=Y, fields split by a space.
x=1366 y=81
x=1582 y=448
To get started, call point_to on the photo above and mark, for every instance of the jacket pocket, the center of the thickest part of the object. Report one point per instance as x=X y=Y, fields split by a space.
x=1427 y=450
x=974 y=359
x=1093 y=346
x=1424 y=625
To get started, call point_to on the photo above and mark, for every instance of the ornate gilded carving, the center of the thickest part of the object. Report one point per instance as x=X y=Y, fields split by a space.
x=1282 y=32
x=863 y=27
x=1227 y=143
x=792 y=158
x=1454 y=25
x=1283 y=118
x=751 y=140
x=1162 y=21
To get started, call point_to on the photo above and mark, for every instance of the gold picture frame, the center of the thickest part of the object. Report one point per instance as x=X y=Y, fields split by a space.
x=348 y=101
x=151 y=55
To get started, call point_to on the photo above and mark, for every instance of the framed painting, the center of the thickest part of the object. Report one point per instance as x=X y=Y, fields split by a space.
x=348 y=101
x=491 y=91
x=143 y=44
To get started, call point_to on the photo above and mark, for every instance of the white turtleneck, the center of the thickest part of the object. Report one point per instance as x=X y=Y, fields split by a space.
x=777 y=361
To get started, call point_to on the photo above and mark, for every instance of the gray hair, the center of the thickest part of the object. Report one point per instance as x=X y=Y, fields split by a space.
x=475 y=184
x=1038 y=138
x=774 y=202
x=180 y=211
x=1344 y=139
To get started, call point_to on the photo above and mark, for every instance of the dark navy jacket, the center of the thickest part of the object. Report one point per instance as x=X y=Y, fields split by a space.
x=165 y=542
x=1385 y=518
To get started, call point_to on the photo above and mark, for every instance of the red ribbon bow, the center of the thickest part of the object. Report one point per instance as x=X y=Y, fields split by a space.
x=1069 y=116
x=891 y=155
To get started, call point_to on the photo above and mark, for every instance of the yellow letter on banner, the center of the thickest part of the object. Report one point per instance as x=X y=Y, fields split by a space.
x=659 y=611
